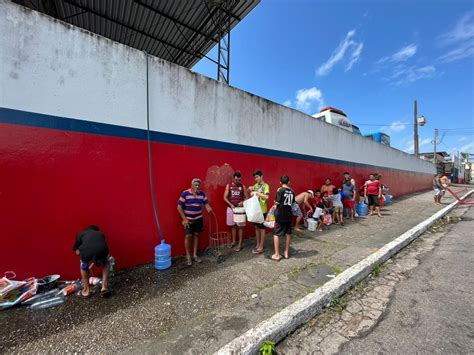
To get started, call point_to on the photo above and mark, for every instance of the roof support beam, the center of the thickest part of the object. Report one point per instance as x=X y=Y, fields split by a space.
x=205 y=35
x=182 y=50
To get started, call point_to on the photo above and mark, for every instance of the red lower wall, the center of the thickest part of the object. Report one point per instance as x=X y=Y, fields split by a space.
x=54 y=183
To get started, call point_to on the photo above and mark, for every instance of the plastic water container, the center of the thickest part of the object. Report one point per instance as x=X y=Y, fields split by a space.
x=312 y=224
x=362 y=209
x=388 y=199
x=163 y=256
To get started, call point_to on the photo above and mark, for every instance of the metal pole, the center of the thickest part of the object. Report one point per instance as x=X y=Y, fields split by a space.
x=435 y=159
x=416 y=150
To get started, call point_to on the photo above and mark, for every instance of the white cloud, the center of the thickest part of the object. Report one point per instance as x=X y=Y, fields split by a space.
x=410 y=145
x=396 y=126
x=465 y=50
x=462 y=139
x=460 y=39
x=355 y=56
x=403 y=75
x=287 y=103
x=468 y=148
x=402 y=55
x=307 y=98
x=347 y=45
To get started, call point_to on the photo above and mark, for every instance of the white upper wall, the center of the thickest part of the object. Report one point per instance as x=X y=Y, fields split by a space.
x=53 y=68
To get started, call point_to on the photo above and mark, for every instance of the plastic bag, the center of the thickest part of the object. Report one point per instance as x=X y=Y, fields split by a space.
x=253 y=210
x=21 y=291
x=327 y=219
x=270 y=220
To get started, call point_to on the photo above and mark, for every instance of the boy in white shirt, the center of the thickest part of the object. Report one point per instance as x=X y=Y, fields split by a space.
x=319 y=216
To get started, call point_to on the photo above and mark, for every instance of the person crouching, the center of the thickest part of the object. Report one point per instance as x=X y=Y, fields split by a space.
x=92 y=250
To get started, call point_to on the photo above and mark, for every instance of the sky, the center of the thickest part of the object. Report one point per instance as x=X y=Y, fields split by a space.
x=371 y=59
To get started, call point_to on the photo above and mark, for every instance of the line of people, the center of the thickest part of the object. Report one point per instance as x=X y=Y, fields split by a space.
x=329 y=200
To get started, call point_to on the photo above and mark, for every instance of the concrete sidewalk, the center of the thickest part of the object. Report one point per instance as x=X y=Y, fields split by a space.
x=204 y=307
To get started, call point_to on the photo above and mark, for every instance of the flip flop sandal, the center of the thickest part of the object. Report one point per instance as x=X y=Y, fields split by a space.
x=272 y=259
x=237 y=249
x=197 y=260
x=81 y=295
x=105 y=293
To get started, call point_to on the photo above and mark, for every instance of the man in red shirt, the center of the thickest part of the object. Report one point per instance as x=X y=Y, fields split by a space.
x=373 y=191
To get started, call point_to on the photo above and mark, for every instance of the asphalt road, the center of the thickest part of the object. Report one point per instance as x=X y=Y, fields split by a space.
x=432 y=311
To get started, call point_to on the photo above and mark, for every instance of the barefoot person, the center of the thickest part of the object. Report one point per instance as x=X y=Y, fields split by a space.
x=284 y=200
x=234 y=196
x=373 y=191
x=92 y=250
x=349 y=192
x=302 y=200
x=262 y=190
x=189 y=207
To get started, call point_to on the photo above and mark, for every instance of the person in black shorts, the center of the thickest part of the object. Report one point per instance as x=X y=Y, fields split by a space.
x=93 y=250
x=285 y=198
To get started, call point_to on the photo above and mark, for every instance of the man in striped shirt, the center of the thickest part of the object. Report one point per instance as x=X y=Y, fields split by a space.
x=190 y=209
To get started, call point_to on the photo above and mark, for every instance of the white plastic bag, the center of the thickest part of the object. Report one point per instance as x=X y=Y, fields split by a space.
x=253 y=210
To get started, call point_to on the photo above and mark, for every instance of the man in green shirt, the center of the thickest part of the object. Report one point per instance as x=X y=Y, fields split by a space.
x=262 y=190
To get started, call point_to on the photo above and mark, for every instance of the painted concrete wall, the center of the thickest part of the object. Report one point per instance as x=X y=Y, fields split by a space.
x=73 y=147
x=69 y=72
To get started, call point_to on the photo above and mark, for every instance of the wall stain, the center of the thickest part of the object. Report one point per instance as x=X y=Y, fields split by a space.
x=218 y=176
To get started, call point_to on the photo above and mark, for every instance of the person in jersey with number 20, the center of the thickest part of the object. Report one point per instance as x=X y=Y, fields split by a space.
x=190 y=205
x=285 y=198
x=234 y=196
x=262 y=190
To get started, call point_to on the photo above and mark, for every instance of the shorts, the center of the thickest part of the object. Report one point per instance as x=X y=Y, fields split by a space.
x=338 y=209
x=439 y=192
x=261 y=225
x=101 y=262
x=296 y=210
x=230 y=219
x=373 y=200
x=282 y=228
x=194 y=227
x=349 y=203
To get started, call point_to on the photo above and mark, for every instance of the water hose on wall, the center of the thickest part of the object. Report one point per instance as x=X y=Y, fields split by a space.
x=150 y=162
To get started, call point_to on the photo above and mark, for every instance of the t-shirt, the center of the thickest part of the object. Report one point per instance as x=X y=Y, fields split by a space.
x=263 y=189
x=318 y=212
x=372 y=187
x=91 y=245
x=285 y=198
x=348 y=191
x=336 y=200
x=192 y=204
x=236 y=193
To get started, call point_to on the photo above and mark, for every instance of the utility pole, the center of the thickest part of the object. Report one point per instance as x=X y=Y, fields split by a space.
x=416 y=148
x=435 y=160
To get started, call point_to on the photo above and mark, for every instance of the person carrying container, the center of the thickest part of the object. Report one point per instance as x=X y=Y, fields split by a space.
x=92 y=249
x=189 y=207
x=303 y=199
x=373 y=191
x=234 y=196
x=262 y=190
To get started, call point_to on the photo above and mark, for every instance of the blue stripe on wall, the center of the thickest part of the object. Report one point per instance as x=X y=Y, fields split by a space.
x=31 y=119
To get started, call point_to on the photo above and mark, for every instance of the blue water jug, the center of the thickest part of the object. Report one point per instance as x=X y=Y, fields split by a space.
x=388 y=199
x=362 y=209
x=162 y=256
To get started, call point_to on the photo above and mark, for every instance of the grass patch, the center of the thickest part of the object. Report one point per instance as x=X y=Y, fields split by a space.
x=267 y=348
x=360 y=285
x=377 y=270
x=338 y=304
x=297 y=270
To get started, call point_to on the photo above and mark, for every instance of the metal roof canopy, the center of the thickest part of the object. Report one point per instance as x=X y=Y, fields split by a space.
x=179 y=31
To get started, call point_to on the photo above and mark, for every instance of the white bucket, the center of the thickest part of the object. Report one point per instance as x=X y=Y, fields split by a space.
x=312 y=224
x=239 y=215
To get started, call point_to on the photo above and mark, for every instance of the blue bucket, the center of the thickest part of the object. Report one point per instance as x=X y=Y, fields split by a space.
x=163 y=256
x=362 y=209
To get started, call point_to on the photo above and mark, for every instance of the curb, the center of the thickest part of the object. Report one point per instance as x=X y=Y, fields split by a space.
x=301 y=311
